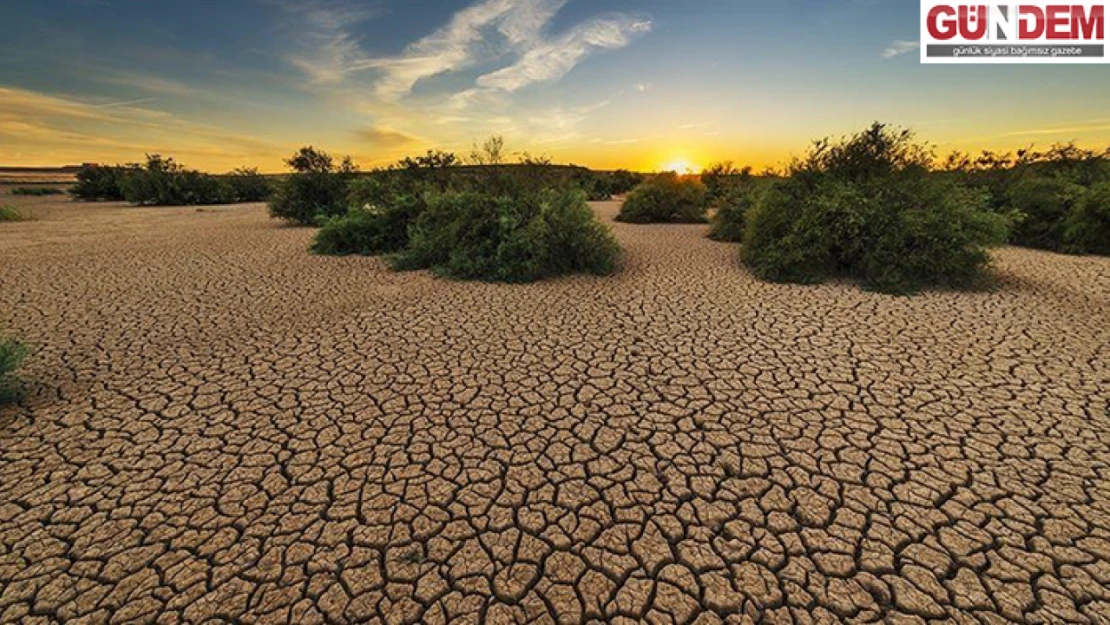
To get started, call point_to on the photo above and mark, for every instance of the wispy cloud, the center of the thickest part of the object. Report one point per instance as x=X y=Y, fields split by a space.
x=330 y=50
x=899 y=47
x=1072 y=132
x=112 y=105
x=145 y=82
x=551 y=60
x=1098 y=125
x=333 y=52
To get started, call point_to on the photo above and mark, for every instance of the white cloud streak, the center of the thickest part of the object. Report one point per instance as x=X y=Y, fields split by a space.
x=900 y=47
x=551 y=60
x=334 y=52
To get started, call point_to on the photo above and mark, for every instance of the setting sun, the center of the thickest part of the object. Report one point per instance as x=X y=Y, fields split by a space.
x=681 y=166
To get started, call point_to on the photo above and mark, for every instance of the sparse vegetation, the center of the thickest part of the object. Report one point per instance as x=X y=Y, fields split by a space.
x=720 y=179
x=491 y=152
x=97 y=183
x=364 y=231
x=161 y=181
x=474 y=235
x=11 y=213
x=731 y=192
x=384 y=205
x=868 y=207
x=377 y=223
x=500 y=222
x=315 y=191
x=732 y=207
x=37 y=191
x=1052 y=196
x=12 y=355
x=601 y=186
x=666 y=198
x=164 y=182
x=248 y=185
x=1040 y=205
x=1087 y=225
x=623 y=181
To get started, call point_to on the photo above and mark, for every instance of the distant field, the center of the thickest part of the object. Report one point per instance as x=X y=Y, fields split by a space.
x=24 y=175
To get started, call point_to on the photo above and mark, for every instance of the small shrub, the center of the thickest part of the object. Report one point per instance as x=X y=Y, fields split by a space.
x=1043 y=192
x=721 y=178
x=1087 y=226
x=1042 y=204
x=623 y=181
x=727 y=223
x=12 y=355
x=163 y=182
x=316 y=190
x=869 y=208
x=97 y=183
x=475 y=235
x=370 y=229
x=360 y=231
x=601 y=186
x=597 y=186
x=247 y=185
x=11 y=213
x=781 y=241
x=37 y=191
x=666 y=198
x=430 y=160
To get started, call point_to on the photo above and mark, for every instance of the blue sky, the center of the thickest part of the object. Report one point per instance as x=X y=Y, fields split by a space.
x=605 y=83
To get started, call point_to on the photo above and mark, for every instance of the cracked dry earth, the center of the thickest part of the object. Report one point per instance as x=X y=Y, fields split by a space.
x=224 y=428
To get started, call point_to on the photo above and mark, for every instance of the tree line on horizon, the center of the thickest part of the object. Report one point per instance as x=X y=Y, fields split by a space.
x=877 y=205
x=162 y=181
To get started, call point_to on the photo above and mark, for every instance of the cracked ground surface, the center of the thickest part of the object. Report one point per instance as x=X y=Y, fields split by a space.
x=223 y=427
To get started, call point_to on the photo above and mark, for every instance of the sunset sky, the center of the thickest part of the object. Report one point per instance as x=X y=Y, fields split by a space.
x=604 y=83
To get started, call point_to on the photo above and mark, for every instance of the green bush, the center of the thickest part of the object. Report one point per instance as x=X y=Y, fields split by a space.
x=869 y=208
x=163 y=182
x=1043 y=192
x=666 y=198
x=476 y=235
x=316 y=190
x=360 y=231
x=1042 y=204
x=370 y=228
x=601 y=186
x=96 y=183
x=720 y=179
x=11 y=213
x=12 y=355
x=247 y=185
x=623 y=181
x=597 y=186
x=1087 y=225
x=783 y=239
x=386 y=203
x=37 y=191
x=733 y=206
x=383 y=207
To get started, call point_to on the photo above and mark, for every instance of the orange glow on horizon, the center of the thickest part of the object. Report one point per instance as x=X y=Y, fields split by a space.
x=682 y=167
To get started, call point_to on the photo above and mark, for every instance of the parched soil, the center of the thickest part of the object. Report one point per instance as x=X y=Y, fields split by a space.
x=224 y=427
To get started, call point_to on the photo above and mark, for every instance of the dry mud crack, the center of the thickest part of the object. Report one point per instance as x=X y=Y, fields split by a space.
x=223 y=427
